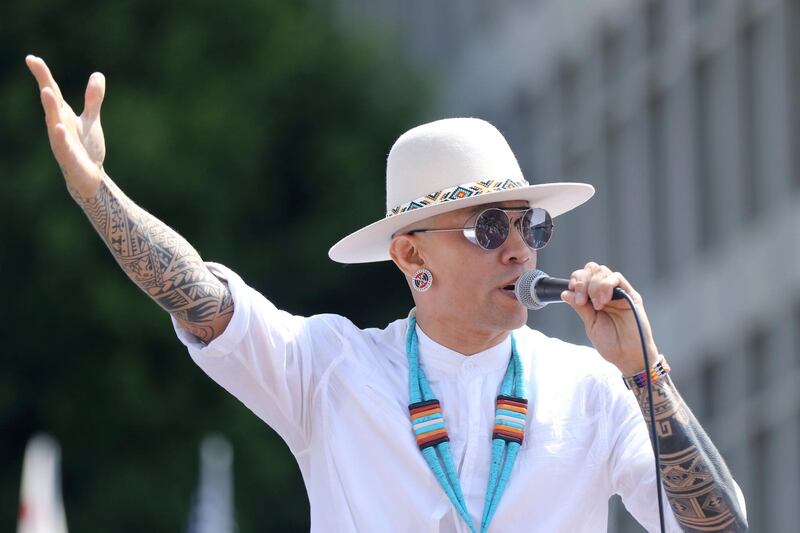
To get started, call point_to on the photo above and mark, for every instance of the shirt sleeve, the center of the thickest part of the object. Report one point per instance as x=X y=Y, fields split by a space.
x=265 y=358
x=632 y=461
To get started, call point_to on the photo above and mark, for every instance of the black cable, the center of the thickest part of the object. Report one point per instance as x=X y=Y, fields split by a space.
x=652 y=409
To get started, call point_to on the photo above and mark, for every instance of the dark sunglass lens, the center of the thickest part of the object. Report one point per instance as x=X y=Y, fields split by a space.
x=491 y=228
x=537 y=228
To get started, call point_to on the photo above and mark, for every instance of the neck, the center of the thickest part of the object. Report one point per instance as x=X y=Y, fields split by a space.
x=457 y=335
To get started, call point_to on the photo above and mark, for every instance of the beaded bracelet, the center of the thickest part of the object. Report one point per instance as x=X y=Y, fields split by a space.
x=639 y=380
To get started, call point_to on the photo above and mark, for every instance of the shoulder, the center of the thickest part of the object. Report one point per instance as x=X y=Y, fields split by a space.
x=366 y=346
x=328 y=326
x=393 y=332
x=363 y=355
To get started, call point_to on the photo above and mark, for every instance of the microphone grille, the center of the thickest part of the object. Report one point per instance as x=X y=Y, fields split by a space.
x=523 y=289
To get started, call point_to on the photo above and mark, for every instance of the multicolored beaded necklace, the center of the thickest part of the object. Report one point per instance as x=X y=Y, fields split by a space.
x=509 y=431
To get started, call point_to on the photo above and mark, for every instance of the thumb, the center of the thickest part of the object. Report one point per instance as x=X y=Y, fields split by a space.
x=586 y=312
x=93 y=99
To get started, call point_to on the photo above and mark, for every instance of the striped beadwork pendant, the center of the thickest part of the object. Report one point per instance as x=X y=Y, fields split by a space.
x=510 y=416
x=428 y=424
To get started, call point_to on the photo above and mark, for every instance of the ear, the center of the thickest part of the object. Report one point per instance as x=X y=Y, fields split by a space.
x=406 y=254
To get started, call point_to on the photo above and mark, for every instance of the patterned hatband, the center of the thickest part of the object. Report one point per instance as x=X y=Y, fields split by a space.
x=458 y=192
x=428 y=424
x=510 y=417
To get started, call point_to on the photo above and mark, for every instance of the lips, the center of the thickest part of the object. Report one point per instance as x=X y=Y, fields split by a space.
x=509 y=285
x=508 y=291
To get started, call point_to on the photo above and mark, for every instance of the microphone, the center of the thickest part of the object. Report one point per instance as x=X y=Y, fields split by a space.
x=535 y=289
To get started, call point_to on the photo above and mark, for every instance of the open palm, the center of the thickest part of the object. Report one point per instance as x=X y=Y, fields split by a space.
x=77 y=141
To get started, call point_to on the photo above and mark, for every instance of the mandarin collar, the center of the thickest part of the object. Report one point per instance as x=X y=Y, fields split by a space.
x=432 y=354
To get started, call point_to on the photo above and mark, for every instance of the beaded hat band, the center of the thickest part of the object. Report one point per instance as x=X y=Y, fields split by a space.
x=459 y=192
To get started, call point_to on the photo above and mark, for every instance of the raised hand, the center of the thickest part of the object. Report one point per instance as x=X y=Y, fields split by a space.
x=77 y=141
x=152 y=254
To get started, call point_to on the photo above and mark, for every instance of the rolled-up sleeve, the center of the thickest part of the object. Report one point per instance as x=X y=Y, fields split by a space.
x=265 y=358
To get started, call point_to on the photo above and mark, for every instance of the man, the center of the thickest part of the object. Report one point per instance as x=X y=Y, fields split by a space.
x=459 y=417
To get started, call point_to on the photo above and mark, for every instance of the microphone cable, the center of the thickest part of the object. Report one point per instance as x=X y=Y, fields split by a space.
x=651 y=407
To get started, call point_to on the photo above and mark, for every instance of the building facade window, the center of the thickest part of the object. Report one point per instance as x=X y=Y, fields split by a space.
x=655 y=24
x=748 y=109
x=758 y=496
x=711 y=374
x=521 y=129
x=701 y=7
x=792 y=25
x=659 y=209
x=612 y=60
x=569 y=109
x=796 y=330
x=702 y=131
x=614 y=195
x=757 y=346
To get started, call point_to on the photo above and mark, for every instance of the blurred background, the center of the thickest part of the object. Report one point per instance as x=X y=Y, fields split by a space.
x=259 y=131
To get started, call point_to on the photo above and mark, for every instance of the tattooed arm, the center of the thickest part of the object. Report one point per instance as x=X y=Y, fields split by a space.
x=699 y=487
x=698 y=484
x=159 y=261
x=154 y=256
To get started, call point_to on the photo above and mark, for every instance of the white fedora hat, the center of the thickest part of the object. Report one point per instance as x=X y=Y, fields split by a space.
x=447 y=165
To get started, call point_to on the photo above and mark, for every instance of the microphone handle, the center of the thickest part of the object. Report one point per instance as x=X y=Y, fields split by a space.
x=549 y=290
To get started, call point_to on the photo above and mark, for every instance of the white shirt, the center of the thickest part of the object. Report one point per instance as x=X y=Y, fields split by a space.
x=338 y=396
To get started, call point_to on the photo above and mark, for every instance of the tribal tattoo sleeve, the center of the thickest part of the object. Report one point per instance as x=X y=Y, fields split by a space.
x=159 y=261
x=698 y=484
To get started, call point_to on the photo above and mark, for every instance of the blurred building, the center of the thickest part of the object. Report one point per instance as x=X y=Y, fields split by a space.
x=685 y=115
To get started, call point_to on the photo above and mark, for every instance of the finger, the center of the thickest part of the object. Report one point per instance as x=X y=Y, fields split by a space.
x=579 y=281
x=577 y=284
x=577 y=275
x=596 y=285
x=625 y=285
x=93 y=99
x=59 y=113
x=71 y=158
x=34 y=66
x=42 y=74
x=51 y=108
x=62 y=149
x=583 y=274
x=601 y=287
x=585 y=312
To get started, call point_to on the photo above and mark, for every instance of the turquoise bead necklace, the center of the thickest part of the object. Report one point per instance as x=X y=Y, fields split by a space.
x=431 y=434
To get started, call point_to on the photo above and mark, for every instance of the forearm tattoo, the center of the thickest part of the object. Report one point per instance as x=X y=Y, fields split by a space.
x=698 y=484
x=158 y=260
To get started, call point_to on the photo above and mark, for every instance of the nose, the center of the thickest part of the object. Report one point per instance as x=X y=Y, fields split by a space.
x=515 y=250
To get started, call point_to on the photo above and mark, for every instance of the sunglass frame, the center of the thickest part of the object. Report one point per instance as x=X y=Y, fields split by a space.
x=470 y=231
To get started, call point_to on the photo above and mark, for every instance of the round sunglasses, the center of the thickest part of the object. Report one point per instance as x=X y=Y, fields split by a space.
x=492 y=227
